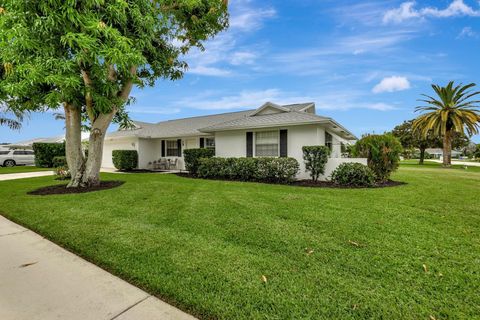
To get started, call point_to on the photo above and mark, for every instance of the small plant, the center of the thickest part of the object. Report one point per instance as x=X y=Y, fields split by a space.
x=383 y=154
x=59 y=161
x=125 y=160
x=62 y=173
x=354 y=175
x=316 y=158
x=193 y=156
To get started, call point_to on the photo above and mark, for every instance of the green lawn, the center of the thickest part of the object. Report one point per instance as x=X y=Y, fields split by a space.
x=326 y=253
x=21 y=169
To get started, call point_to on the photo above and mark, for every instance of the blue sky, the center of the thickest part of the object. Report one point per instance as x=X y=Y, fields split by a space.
x=364 y=63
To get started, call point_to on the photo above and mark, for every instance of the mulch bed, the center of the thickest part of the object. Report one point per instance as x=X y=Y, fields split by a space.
x=62 y=188
x=310 y=183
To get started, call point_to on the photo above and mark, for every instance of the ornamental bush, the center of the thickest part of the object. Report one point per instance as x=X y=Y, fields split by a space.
x=62 y=173
x=383 y=154
x=316 y=158
x=45 y=152
x=192 y=157
x=277 y=170
x=353 y=175
x=125 y=160
x=60 y=161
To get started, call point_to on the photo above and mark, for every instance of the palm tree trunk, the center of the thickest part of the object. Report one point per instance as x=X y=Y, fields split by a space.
x=447 y=149
x=422 y=155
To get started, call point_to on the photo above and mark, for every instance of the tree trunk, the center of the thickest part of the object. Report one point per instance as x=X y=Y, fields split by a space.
x=73 y=144
x=422 y=155
x=99 y=128
x=447 y=149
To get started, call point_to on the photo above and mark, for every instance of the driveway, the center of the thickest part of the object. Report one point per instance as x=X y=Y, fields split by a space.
x=40 y=280
x=461 y=163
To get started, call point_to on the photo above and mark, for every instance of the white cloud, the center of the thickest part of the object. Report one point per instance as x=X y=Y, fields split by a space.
x=246 y=99
x=407 y=11
x=392 y=84
x=467 y=32
x=209 y=71
x=243 y=57
x=224 y=52
x=154 y=110
x=380 y=106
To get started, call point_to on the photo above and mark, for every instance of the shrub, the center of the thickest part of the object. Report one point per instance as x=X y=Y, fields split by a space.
x=192 y=157
x=45 y=152
x=62 y=173
x=278 y=170
x=125 y=160
x=353 y=174
x=383 y=153
x=59 y=161
x=316 y=158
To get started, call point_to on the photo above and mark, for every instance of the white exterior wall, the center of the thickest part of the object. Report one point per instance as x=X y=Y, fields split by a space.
x=116 y=144
x=231 y=144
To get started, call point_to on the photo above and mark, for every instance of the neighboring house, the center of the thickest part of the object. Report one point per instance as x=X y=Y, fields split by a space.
x=269 y=131
x=437 y=153
x=27 y=144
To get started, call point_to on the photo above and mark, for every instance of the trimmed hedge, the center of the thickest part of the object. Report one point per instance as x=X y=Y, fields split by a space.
x=125 y=160
x=60 y=161
x=316 y=158
x=45 y=152
x=192 y=158
x=277 y=170
x=383 y=153
x=353 y=175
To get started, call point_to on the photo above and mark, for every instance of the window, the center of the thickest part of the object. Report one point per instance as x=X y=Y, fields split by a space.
x=172 y=148
x=209 y=142
x=328 y=140
x=4 y=152
x=18 y=152
x=266 y=144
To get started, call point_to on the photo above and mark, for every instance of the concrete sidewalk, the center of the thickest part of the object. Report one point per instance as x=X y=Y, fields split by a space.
x=40 y=280
x=13 y=176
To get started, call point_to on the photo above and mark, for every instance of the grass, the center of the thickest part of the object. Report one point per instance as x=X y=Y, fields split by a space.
x=22 y=169
x=407 y=252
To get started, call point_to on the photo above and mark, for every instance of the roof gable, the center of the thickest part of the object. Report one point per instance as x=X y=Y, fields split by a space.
x=269 y=108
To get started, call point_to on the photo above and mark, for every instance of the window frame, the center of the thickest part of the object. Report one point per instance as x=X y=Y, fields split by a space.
x=175 y=148
x=329 y=144
x=277 y=134
x=205 y=144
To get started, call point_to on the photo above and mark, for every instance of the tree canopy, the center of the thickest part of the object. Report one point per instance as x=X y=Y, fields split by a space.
x=86 y=55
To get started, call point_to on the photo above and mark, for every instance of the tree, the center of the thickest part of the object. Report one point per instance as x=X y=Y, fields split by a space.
x=453 y=111
x=86 y=56
x=13 y=123
x=410 y=139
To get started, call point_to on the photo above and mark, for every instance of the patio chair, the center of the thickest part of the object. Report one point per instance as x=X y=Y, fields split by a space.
x=162 y=164
x=173 y=164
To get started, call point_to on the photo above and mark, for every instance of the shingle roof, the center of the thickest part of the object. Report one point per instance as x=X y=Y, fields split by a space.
x=203 y=125
x=179 y=127
x=268 y=120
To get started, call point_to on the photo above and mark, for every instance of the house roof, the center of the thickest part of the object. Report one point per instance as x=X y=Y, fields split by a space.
x=292 y=114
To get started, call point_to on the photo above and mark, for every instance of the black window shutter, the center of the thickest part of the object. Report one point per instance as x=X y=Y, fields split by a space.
x=202 y=142
x=283 y=143
x=179 y=146
x=249 y=144
x=163 y=148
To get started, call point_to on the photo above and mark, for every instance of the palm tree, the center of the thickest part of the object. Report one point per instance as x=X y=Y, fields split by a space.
x=453 y=111
x=15 y=123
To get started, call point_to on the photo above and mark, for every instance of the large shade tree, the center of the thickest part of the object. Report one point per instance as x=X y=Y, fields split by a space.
x=452 y=111
x=86 y=55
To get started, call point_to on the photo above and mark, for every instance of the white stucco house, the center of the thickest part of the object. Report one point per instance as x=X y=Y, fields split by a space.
x=271 y=130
